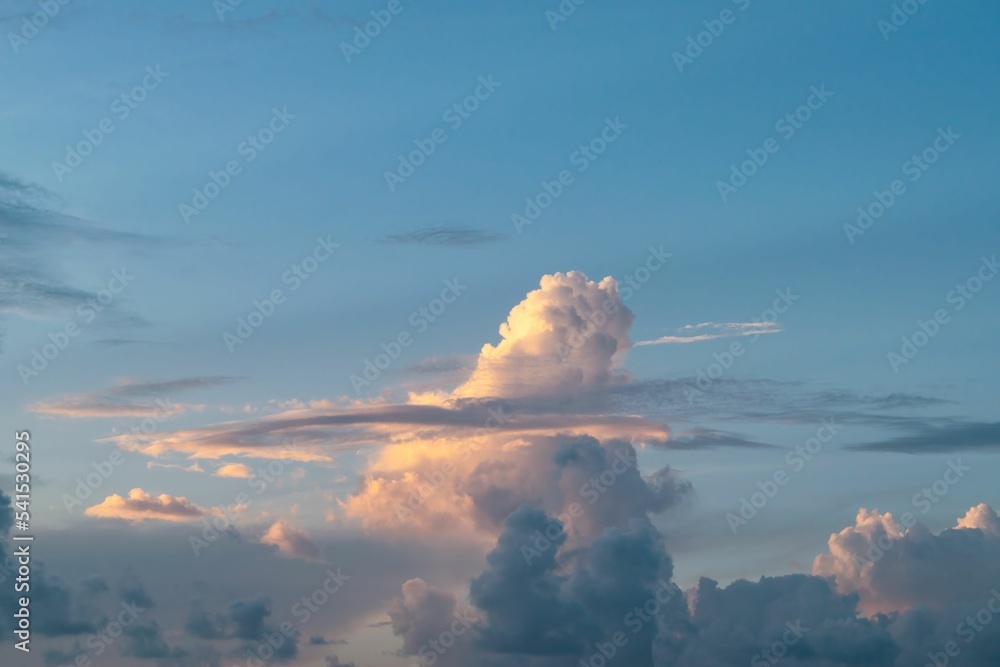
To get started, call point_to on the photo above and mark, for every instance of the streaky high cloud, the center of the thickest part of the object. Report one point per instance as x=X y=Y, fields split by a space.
x=954 y=436
x=126 y=399
x=32 y=284
x=707 y=438
x=696 y=333
x=194 y=467
x=445 y=235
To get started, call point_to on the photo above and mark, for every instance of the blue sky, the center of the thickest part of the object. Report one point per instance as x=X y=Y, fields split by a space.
x=555 y=86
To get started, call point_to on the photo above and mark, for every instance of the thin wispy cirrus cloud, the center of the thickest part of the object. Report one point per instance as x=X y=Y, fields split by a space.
x=130 y=397
x=697 y=333
x=444 y=235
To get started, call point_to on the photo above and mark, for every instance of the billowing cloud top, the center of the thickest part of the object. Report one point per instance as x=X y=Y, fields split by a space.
x=570 y=333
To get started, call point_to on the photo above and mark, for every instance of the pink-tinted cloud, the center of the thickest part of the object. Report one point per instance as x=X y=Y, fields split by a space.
x=143 y=506
x=894 y=567
x=696 y=333
x=235 y=470
x=291 y=541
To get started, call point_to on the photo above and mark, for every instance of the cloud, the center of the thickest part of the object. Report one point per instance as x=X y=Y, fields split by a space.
x=194 y=467
x=291 y=541
x=940 y=438
x=981 y=517
x=120 y=342
x=810 y=625
x=532 y=461
x=314 y=433
x=248 y=617
x=892 y=566
x=204 y=624
x=142 y=506
x=145 y=640
x=31 y=274
x=57 y=609
x=772 y=401
x=94 y=585
x=706 y=438
x=569 y=334
x=453 y=236
x=131 y=589
x=697 y=333
x=546 y=601
x=422 y=611
x=235 y=470
x=245 y=620
x=448 y=486
x=440 y=365
x=334 y=661
x=125 y=399
x=557 y=370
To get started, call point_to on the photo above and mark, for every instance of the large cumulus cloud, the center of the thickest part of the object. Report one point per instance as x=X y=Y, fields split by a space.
x=895 y=567
x=571 y=333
